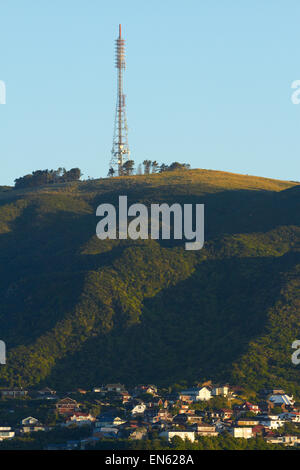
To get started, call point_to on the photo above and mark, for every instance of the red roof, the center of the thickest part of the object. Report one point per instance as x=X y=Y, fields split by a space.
x=258 y=428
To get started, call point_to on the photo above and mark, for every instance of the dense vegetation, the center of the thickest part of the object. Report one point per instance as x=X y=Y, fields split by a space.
x=42 y=177
x=77 y=311
x=147 y=168
x=222 y=442
x=40 y=441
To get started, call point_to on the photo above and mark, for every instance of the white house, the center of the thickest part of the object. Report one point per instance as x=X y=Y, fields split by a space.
x=81 y=419
x=293 y=416
x=6 y=433
x=138 y=409
x=240 y=432
x=29 y=420
x=285 y=440
x=197 y=394
x=190 y=435
x=272 y=421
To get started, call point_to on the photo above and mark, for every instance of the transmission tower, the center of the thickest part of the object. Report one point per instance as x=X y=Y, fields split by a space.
x=120 y=149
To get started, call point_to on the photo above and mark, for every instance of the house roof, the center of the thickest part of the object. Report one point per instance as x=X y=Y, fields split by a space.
x=67 y=400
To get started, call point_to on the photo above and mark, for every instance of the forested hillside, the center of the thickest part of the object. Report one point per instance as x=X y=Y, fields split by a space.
x=78 y=311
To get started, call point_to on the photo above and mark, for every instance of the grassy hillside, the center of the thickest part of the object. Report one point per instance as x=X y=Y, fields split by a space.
x=77 y=311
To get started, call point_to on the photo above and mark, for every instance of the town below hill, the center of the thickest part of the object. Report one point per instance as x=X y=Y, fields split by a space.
x=111 y=416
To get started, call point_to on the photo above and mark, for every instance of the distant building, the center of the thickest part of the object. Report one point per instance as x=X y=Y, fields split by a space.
x=6 y=433
x=220 y=391
x=285 y=440
x=106 y=432
x=196 y=394
x=125 y=396
x=247 y=406
x=108 y=419
x=81 y=419
x=31 y=424
x=240 y=432
x=206 y=430
x=151 y=389
x=67 y=406
x=271 y=421
x=14 y=393
x=47 y=392
x=247 y=422
x=279 y=399
x=293 y=416
x=138 y=433
x=138 y=409
x=115 y=388
x=226 y=413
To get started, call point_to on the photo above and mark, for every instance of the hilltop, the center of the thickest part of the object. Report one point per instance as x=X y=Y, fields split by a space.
x=77 y=311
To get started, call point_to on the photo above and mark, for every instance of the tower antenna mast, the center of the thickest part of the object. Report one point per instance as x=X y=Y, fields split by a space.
x=120 y=149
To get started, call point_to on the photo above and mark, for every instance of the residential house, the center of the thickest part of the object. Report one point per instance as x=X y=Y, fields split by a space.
x=187 y=399
x=226 y=413
x=6 y=433
x=247 y=422
x=247 y=406
x=115 y=388
x=47 y=392
x=196 y=394
x=151 y=389
x=285 y=440
x=271 y=391
x=81 y=419
x=293 y=416
x=241 y=432
x=125 y=397
x=14 y=393
x=31 y=424
x=271 y=421
x=164 y=415
x=258 y=430
x=106 y=432
x=138 y=433
x=67 y=406
x=222 y=391
x=190 y=435
x=205 y=430
x=192 y=418
x=211 y=414
x=151 y=415
x=280 y=399
x=108 y=419
x=184 y=407
x=138 y=409
x=180 y=419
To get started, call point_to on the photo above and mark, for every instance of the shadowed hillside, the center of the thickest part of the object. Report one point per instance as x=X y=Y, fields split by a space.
x=77 y=311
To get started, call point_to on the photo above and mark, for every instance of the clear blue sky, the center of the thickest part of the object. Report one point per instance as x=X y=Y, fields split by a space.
x=208 y=82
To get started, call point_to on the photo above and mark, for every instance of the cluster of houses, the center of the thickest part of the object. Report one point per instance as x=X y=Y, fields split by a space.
x=137 y=413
